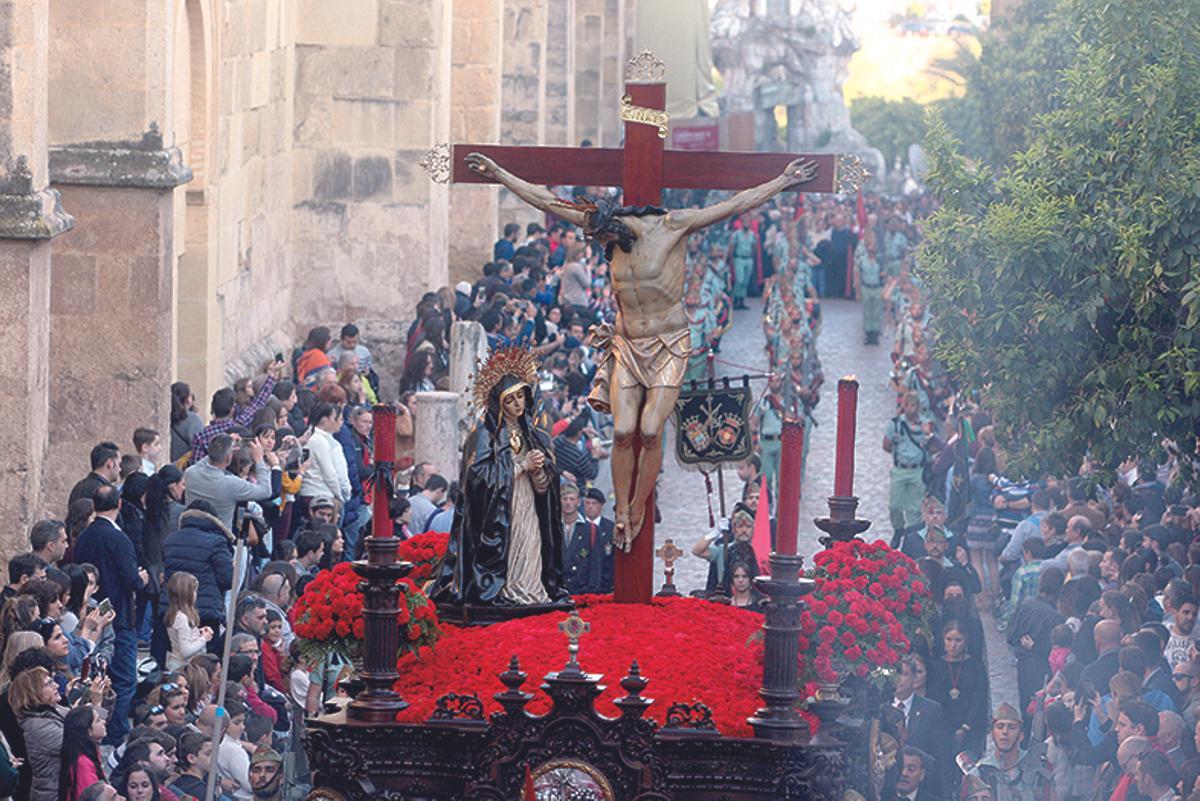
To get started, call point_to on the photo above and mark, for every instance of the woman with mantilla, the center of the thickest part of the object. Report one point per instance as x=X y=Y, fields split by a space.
x=506 y=542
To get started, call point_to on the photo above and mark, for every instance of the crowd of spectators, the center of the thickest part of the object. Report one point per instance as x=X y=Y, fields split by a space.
x=114 y=620
x=1092 y=582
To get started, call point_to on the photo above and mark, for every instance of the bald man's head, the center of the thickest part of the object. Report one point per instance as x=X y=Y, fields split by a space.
x=1078 y=529
x=207 y=720
x=1107 y=634
x=1132 y=748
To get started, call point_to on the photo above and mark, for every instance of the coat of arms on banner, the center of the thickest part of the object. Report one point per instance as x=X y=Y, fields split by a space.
x=712 y=425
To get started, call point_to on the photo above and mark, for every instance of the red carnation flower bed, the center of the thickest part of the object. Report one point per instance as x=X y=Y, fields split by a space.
x=690 y=650
x=424 y=551
x=868 y=603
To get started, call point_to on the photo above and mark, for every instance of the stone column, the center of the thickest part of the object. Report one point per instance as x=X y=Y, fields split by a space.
x=436 y=431
x=30 y=216
x=523 y=92
x=612 y=83
x=628 y=32
x=589 y=36
x=524 y=79
x=476 y=71
x=468 y=347
x=112 y=155
x=112 y=331
x=560 y=72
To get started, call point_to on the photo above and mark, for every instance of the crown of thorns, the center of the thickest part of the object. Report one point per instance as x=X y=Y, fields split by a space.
x=603 y=216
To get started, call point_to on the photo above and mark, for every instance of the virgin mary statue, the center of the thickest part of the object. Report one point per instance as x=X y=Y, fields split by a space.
x=506 y=541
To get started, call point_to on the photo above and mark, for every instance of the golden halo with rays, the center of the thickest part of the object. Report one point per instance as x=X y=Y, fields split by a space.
x=513 y=359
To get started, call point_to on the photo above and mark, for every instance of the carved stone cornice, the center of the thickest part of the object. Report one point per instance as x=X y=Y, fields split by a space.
x=28 y=213
x=142 y=164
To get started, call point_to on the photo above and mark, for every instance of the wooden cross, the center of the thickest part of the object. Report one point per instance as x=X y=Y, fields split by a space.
x=643 y=168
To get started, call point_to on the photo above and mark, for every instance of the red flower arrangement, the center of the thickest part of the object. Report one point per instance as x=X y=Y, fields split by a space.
x=690 y=650
x=870 y=600
x=425 y=552
x=328 y=617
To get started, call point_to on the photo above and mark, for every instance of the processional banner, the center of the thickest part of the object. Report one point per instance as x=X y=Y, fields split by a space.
x=712 y=425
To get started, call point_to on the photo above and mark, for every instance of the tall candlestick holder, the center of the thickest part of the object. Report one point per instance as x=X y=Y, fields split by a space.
x=779 y=720
x=381 y=572
x=843 y=523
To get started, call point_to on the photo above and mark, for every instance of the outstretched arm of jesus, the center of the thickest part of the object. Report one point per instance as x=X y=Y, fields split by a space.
x=537 y=196
x=693 y=220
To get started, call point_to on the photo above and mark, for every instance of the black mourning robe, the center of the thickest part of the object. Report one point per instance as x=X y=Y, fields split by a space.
x=476 y=563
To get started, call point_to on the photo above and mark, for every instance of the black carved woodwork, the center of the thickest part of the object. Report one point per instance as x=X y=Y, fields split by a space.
x=453 y=706
x=843 y=523
x=458 y=756
x=694 y=716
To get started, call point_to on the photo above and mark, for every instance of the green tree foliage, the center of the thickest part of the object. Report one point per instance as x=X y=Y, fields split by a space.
x=1067 y=286
x=890 y=125
x=1015 y=77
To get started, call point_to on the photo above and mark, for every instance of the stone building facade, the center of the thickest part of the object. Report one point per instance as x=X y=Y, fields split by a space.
x=188 y=185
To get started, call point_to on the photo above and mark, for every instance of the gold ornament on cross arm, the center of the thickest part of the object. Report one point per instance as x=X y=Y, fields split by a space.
x=645 y=116
x=436 y=163
x=849 y=173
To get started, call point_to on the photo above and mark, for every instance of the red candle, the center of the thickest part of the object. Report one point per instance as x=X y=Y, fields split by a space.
x=383 y=429
x=791 y=447
x=843 y=476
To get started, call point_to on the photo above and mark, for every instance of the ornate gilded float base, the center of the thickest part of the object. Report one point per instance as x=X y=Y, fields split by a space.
x=459 y=756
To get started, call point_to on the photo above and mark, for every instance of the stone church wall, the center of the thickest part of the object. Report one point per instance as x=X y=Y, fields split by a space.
x=252 y=176
x=235 y=171
x=369 y=227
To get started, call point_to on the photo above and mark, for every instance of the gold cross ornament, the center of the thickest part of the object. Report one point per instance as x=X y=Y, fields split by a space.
x=669 y=552
x=574 y=627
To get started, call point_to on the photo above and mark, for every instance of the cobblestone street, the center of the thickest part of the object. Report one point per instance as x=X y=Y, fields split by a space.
x=681 y=492
x=842 y=353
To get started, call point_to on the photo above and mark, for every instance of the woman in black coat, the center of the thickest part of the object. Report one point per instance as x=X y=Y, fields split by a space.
x=133 y=522
x=959 y=682
x=164 y=494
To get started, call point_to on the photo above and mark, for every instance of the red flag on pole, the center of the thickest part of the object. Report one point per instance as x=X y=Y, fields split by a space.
x=527 y=794
x=762 y=530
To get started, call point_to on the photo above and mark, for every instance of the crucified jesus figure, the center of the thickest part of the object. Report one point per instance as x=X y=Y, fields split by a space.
x=645 y=351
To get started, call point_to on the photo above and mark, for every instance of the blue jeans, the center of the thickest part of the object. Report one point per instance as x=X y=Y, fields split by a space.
x=146 y=621
x=123 y=672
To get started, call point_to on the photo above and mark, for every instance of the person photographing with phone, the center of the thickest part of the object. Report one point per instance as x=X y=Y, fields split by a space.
x=104 y=545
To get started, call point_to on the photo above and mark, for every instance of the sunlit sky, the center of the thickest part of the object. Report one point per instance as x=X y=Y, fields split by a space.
x=892 y=63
